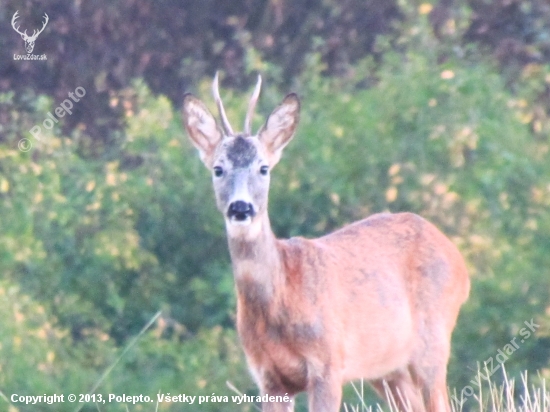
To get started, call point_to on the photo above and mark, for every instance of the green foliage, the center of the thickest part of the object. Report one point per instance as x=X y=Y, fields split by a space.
x=91 y=249
x=98 y=247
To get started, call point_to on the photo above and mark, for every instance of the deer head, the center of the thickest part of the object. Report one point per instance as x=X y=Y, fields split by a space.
x=29 y=40
x=240 y=162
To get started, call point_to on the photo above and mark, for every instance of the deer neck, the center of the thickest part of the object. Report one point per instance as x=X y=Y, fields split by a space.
x=255 y=256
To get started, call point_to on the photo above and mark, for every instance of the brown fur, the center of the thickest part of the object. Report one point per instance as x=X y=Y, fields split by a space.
x=377 y=299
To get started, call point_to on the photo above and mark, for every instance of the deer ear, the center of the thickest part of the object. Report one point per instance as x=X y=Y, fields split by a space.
x=280 y=127
x=201 y=127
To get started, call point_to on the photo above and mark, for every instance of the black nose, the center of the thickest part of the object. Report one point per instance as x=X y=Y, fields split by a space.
x=240 y=210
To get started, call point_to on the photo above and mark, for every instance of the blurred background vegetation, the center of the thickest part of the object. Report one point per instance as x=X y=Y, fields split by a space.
x=436 y=107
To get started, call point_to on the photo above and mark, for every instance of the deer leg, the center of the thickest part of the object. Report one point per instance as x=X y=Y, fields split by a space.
x=434 y=387
x=400 y=390
x=439 y=399
x=430 y=372
x=279 y=406
x=325 y=394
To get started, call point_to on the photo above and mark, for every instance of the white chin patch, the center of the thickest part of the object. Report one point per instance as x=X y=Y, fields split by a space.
x=246 y=228
x=240 y=222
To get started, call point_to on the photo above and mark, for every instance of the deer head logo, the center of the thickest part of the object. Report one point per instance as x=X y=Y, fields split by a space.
x=29 y=40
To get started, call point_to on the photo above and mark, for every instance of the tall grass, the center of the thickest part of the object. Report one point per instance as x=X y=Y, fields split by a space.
x=491 y=396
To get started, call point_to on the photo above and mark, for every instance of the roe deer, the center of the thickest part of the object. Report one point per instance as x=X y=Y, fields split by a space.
x=377 y=299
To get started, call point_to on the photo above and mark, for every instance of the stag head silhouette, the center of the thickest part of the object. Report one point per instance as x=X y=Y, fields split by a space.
x=29 y=40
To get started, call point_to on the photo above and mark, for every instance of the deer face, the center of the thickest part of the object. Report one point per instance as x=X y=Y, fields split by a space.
x=29 y=43
x=240 y=163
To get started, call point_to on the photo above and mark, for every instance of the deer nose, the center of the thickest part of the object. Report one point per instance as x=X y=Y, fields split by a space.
x=240 y=210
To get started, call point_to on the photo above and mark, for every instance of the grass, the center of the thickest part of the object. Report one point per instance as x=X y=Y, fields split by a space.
x=491 y=396
x=530 y=395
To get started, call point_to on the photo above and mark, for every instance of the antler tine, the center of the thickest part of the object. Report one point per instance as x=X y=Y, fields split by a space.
x=13 y=22
x=14 y=18
x=216 y=93
x=36 y=32
x=46 y=20
x=252 y=106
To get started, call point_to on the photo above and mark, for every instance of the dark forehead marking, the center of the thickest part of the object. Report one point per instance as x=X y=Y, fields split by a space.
x=241 y=152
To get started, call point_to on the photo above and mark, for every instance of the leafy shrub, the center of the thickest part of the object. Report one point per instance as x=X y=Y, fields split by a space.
x=92 y=248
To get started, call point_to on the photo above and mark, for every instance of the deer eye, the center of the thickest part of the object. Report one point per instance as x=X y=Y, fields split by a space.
x=264 y=170
x=218 y=171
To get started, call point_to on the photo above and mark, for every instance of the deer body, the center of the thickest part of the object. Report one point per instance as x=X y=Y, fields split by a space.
x=377 y=299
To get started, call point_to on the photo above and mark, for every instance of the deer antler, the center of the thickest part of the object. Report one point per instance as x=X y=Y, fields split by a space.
x=252 y=106
x=37 y=32
x=13 y=19
x=227 y=127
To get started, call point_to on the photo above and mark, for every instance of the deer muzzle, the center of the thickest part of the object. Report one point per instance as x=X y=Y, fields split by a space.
x=240 y=211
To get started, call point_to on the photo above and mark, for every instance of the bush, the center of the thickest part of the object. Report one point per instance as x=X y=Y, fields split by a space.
x=92 y=247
